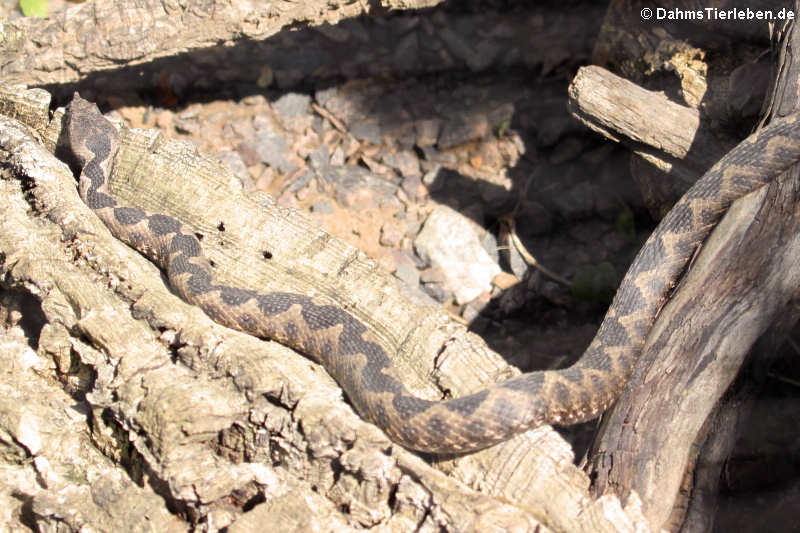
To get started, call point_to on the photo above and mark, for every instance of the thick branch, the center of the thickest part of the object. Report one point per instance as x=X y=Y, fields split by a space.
x=97 y=36
x=203 y=405
x=742 y=280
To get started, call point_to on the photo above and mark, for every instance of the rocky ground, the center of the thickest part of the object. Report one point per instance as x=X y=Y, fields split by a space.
x=425 y=175
x=451 y=179
x=431 y=176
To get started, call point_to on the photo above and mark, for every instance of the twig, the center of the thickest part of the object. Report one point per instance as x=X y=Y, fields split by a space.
x=527 y=256
x=327 y=114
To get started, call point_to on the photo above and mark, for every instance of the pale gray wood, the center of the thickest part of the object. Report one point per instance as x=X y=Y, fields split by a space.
x=195 y=399
x=100 y=36
x=740 y=284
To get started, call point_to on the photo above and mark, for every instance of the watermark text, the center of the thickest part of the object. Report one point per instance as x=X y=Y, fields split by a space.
x=715 y=14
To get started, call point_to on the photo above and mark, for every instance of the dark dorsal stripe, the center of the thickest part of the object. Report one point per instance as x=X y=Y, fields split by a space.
x=362 y=367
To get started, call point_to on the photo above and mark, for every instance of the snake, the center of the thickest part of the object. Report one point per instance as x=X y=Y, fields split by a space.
x=355 y=358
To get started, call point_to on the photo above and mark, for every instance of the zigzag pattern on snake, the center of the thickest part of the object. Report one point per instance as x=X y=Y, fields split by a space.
x=350 y=353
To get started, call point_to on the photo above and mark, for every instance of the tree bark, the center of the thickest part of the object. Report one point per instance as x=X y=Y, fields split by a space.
x=97 y=36
x=215 y=421
x=214 y=46
x=196 y=425
x=740 y=283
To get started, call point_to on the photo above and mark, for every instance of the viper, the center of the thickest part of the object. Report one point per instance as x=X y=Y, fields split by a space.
x=351 y=353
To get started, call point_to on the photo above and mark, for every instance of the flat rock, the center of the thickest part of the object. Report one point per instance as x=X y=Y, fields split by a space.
x=292 y=105
x=355 y=186
x=449 y=241
x=272 y=149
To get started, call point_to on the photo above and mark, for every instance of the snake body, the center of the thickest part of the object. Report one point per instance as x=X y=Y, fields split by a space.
x=351 y=353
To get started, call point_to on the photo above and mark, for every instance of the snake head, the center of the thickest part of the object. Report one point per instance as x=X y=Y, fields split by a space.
x=89 y=134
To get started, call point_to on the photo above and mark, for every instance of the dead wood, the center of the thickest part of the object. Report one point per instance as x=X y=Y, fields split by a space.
x=224 y=428
x=215 y=421
x=102 y=36
x=670 y=137
x=122 y=48
x=651 y=124
x=740 y=283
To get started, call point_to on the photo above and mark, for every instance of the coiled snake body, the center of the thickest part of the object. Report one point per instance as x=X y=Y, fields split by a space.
x=359 y=364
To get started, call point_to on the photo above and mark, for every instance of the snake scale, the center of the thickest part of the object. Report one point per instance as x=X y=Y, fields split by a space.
x=351 y=353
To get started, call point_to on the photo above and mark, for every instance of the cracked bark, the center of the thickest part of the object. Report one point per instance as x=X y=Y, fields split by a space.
x=225 y=428
x=743 y=281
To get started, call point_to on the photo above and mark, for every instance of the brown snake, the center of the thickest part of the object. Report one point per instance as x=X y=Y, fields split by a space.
x=350 y=352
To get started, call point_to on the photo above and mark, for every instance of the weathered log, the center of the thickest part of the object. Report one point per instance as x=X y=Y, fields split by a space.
x=97 y=36
x=204 y=413
x=669 y=136
x=742 y=280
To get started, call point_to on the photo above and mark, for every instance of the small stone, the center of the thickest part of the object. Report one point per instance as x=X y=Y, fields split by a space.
x=386 y=262
x=322 y=207
x=406 y=272
x=323 y=96
x=429 y=178
x=474 y=308
x=293 y=112
x=377 y=168
x=413 y=187
x=350 y=145
x=489 y=243
x=436 y=291
x=432 y=275
x=319 y=126
x=292 y=105
x=320 y=158
x=516 y=262
x=272 y=148
x=233 y=162
x=406 y=138
x=449 y=241
x=444 y=158
x=298 y=181
x=404 y=162
x=242 y=129
x=366 y=130
x=187 y=125
x=354 y=186
x=254 y=100
x=392 y=233
x=247 y=151
x=265 y=178
x=427 y=131
x=462 y=129
x=263 y=122
x=504 y=280
x=337 y=158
